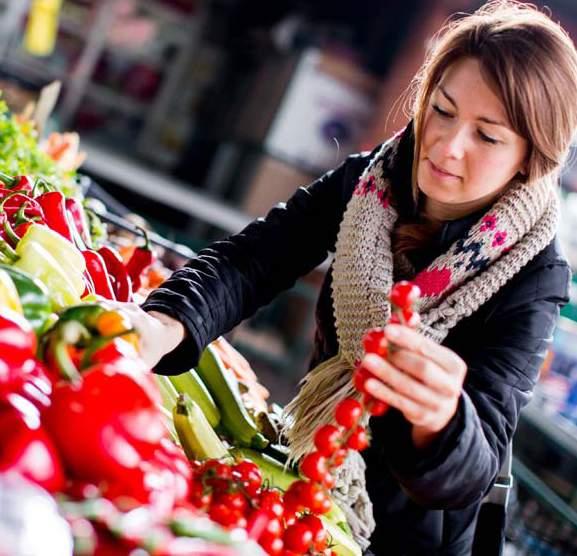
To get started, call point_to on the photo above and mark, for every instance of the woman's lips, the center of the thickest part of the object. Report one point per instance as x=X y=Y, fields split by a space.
x=440 y=172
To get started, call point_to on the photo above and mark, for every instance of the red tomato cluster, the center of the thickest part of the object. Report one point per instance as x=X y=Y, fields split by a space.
x=233 y=495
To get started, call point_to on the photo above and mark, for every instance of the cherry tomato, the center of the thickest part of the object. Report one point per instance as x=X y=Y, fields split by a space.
x=217 y=474
x=374 y=406
x=348 y=412
x=320 y=535
x=270 y=500
x=274 y=527
x=234 y=500
x=358 y=440
x=298 y=537
x=404 y=294
x=293 y=498
x=222 y=514
x=328 y=439
x=314 y=498
x=411 y=318
x=272 y=545
x=249 y=475
x=314 y=466
x=360 y=377
x=374 y=341
x=200 y=495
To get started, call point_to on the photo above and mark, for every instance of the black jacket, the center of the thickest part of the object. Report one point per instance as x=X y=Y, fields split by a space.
x=425 y=503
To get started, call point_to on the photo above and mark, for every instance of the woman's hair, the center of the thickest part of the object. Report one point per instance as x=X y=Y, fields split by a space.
x=531 y=63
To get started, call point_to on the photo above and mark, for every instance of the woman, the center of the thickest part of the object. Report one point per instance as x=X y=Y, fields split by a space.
x=462 y=201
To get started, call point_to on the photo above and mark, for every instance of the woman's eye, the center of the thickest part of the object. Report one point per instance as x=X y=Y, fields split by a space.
x=440 y=111
x=487 y=139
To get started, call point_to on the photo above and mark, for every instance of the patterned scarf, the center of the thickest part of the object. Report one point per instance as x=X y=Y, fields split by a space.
x=520 y=224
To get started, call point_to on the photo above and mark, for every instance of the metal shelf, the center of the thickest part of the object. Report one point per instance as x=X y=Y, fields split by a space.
x=543 y=493
x=160 y=187
x=561 y=431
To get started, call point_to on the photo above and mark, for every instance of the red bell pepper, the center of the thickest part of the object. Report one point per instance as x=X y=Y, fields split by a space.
x=117 y=271
x=98 y=272
x=142 y=257
x=18 y=212
x=28 y=450
x=113 y=414
x=53 y=205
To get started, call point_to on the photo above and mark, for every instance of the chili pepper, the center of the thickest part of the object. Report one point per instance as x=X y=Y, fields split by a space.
x=28 y=451
x=79 y=219
x=16 y=183
x=97 y=270
x=121 y=280
x=53 y=204
x=62 y=251
x=34 y=297
x=141 y=259
x=22 y=183
x=13 y=204
x=89 y=286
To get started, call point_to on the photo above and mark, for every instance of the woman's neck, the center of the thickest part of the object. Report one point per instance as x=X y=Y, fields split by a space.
x=437 y=210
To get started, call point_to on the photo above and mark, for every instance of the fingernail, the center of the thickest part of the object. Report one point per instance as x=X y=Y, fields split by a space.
x=392 y=331
x=371 y=384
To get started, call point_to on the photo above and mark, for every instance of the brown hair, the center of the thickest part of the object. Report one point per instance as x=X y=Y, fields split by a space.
x=532 y=64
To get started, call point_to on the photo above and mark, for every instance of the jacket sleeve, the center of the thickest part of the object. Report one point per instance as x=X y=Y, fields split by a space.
x=503 y=362
x=228 y=281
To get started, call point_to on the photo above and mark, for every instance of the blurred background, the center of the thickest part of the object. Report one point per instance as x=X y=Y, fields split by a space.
x=200 y=115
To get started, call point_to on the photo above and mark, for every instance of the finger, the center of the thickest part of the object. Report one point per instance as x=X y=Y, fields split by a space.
x=426 y=371
x=401 y=382
x=403 y=336
x=413 y=411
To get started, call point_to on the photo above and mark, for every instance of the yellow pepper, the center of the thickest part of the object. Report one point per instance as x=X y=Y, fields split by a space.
x=8 y=294
x=39 y=263
x=65 y=253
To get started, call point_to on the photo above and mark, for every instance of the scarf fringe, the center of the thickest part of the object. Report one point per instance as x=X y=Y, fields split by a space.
x=314 y=405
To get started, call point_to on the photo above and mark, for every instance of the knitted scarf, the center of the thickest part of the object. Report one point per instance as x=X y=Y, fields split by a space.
x=519 y=225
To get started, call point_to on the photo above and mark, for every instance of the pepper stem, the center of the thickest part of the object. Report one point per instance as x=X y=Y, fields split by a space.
x=8 y=180
x=10 y=233
x=146 y=238
x=41 y=184
x=7 y=251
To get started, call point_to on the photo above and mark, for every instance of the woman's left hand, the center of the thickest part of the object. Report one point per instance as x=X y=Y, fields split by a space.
x=420 y=378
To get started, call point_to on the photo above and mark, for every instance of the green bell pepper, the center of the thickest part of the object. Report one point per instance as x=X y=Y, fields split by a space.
x=34 y=298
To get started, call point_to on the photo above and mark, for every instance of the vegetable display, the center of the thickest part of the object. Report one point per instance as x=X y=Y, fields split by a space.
x=187 y=464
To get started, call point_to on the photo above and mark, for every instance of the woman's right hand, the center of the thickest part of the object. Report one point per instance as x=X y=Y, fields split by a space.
x=159 y=333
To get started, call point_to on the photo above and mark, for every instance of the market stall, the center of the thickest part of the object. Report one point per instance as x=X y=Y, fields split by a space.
x=112 y=456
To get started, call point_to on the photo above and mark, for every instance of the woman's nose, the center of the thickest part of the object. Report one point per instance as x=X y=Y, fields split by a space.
x=453 y=143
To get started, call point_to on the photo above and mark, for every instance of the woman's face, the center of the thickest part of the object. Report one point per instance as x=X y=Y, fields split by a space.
x=468 y=150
